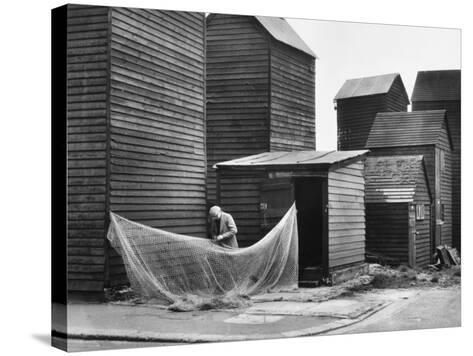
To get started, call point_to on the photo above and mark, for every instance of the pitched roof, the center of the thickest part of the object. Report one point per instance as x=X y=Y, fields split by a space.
x=393 y=129
x=437 y=85
x=280 y=30
x=379 y=84
x=392 y=179
x=291 y=159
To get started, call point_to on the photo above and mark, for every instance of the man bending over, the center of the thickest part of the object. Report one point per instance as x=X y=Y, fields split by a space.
x=222 y=228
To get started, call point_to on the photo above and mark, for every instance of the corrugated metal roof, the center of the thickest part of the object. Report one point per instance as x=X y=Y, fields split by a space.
x=291 y=159
x=393 y=129
x=392 y=179
x=280 y=29
x=437 y=85
x=379 y=84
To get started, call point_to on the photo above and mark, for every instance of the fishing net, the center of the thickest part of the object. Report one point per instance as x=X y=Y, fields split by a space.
x=170 y=268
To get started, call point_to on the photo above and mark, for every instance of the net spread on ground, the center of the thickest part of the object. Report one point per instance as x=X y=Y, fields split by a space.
x=169 y=267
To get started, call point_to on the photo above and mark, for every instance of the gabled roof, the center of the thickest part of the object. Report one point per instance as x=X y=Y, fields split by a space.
x=416 y=128
x=291 y=159
x=437 y=85
x=280 y=30
x=379 y=84
x=393 y=179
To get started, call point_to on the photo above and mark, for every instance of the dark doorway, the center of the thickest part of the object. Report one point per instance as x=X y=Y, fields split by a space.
x=310 y=201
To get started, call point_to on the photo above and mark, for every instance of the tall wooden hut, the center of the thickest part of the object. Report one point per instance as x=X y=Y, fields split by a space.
x=260 y=89
x=425 y=133
x=135 y=130
x=436 y=90
x=398 y=203
x=328 y=189
x=359 y=100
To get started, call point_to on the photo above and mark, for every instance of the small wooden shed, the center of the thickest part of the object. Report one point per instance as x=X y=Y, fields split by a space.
x=423 y=133
x=328 y=188
x=359 y=100
x=398 y=203
x=135 y=130
x=260 y=89
x=437 y=90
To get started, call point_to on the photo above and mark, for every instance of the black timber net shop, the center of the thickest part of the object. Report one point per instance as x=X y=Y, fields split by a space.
x=328 y=189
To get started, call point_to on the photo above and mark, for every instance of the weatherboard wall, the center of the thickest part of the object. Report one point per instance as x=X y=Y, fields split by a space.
x=443 y=181
x=237 y=119
x=423 y=243
x=157 y=129
x=355 y=115
x=387 y=226
x=136 y=128
x=87 y=63
x=346 y=214
x=453 y=109
x=387 y=230
x=260 y=93
x=292 y=101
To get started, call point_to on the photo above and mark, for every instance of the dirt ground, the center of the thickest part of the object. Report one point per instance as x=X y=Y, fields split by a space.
x=378 y=277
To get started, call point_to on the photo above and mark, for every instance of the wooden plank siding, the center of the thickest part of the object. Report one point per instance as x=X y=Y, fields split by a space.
x=239 y=193
x=292 y=101
x=157 y=128
x=454 y=121
x=355 y=115
x=236 y=93
x=87 y=63
x=429 y=154
x=423 y=244
x=445 y=193
x=346 y=214
x=387 y=230
x=260 y=93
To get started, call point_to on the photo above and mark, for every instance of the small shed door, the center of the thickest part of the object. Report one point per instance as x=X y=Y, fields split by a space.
x=277 y=196
x=412 y=235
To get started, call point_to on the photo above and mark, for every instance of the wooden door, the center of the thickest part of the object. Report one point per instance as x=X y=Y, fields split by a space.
x=412 y=235
x=277 y=196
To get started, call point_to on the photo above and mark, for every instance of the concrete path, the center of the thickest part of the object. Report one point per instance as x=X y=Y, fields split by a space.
x=116 y=326
x=435 y=308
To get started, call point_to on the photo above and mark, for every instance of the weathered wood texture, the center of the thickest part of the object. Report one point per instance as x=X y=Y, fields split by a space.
x=239 y=194
x=87 y=61
x=237 y=91
x=387 y=230
x=260 y=93
x=429 y=154
x=387 y=226
x=423 y=244
x=346 y=214
x=157 y=124
x=453 y=109
x=355 y=115
x=292 y=101
x=135 y=130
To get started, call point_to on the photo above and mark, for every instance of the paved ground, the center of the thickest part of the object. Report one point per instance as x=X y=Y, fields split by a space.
x=437 y=308
x=99 y=326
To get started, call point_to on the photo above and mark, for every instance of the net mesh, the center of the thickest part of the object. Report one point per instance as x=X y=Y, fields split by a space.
x=171 y=268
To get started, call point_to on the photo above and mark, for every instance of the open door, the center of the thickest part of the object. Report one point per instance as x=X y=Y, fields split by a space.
x=310 y=195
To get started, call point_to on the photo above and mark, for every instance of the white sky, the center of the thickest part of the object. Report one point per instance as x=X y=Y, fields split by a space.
x=351 y=50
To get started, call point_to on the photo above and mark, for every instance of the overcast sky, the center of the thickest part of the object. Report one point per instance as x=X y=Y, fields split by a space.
x=353 y=50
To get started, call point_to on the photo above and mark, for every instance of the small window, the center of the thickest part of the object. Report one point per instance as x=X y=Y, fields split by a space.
x=420 y=212
x=442 y=212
